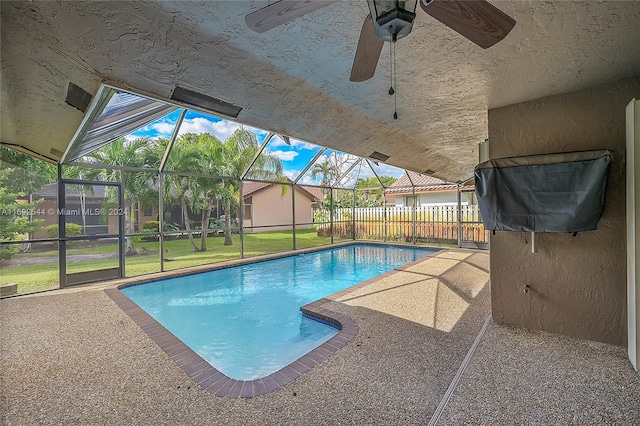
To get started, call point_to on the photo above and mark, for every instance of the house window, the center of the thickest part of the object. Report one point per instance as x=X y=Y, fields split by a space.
x=146 y=209
x=247 y=211
x=410 y=201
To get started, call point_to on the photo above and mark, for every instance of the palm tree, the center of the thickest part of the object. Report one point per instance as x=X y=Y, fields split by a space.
x=137 y=186
x=183 y=189
x=202 y=153
x=209 y=191
x=237 y=153
x=332 y=170
x=328 y=172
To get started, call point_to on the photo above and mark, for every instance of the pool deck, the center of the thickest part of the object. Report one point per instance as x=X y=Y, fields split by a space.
x=72 y=356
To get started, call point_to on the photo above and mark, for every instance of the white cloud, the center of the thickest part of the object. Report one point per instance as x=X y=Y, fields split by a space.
x=303 y=145
x=292 y=174
x=220 y=129
x=387 y=170
x=158 y=129
x=295 y=143
x=261 y=134
x=276 y=142
x=285 y=155
x=164 y=128
x=362 y=172
x=307 y=180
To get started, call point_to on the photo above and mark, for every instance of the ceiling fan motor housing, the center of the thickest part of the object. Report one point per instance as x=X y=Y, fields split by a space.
x=391 y=20
x=478 y=21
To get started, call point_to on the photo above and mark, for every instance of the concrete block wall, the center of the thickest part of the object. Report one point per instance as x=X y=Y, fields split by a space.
x=577 y=283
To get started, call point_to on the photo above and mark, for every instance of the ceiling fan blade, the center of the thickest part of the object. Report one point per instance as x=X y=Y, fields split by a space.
x=367 y=53
x=479 y=21
x=281 y=12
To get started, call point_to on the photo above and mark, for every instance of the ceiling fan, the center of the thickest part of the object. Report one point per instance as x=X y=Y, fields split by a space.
x=477 y=20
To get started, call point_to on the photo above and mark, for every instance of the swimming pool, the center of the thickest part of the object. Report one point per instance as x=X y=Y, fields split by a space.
x=246 y=320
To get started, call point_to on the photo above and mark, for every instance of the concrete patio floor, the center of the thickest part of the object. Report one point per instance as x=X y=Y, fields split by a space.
x=72 y=356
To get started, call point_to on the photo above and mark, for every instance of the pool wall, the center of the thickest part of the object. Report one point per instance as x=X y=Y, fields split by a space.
x=215 y=382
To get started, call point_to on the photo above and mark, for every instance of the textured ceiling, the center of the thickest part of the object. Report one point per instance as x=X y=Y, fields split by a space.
x=294 y=79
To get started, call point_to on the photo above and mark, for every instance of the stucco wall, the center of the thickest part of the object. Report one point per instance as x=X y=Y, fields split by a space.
x=270 y=207
x=142 y=218
x=436 y=198
x=577 y=283
x=304 y=211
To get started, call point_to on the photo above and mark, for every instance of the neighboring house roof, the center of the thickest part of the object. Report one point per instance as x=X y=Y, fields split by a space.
x=250 y=188
x=312 y=192
x=423 y=183
x=50 y=191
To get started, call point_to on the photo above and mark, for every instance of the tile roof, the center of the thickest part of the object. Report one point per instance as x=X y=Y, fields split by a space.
x=249 y=188
x=423 y=183
x=51 y=191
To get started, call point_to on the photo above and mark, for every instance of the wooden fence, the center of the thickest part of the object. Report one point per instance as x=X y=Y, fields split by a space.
x=424 y=223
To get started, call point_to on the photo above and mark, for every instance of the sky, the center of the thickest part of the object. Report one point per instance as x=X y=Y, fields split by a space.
x=294 y=157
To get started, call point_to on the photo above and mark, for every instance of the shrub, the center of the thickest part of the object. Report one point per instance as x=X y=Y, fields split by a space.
x=7 y=252
x=73 y=230
x=216 y=224
x=151 y=226
x=171 y=226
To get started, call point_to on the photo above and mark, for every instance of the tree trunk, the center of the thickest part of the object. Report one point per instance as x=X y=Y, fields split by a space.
x=132 y=216
x=129 y=222
x=227 y=231
x=206 y=215
x=185 y=215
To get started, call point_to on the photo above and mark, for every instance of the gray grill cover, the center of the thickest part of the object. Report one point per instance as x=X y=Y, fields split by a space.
x=543 y=193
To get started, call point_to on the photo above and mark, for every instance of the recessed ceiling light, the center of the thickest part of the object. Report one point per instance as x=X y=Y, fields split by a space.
x=205 y=102
x=379 y=156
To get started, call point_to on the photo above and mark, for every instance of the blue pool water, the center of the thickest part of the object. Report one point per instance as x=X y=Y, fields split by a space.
x=246 y=320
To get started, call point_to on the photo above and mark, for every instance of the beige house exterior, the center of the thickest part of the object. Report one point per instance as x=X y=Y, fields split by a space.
x=428 y=191
x=267 y=206
x=92 y=214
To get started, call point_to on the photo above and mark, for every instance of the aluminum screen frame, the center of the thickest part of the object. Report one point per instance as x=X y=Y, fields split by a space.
x=114 y=114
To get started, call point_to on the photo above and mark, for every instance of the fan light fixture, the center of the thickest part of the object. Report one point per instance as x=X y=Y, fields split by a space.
x=392 y=20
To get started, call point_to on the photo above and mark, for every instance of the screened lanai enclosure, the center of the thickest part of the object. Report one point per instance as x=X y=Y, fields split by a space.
x=148 y=186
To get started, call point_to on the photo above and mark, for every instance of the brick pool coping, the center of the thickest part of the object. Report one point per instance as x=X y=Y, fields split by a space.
x=214 y=381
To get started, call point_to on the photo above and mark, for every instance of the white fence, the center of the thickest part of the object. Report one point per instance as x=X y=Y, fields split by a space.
x=421 y=224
